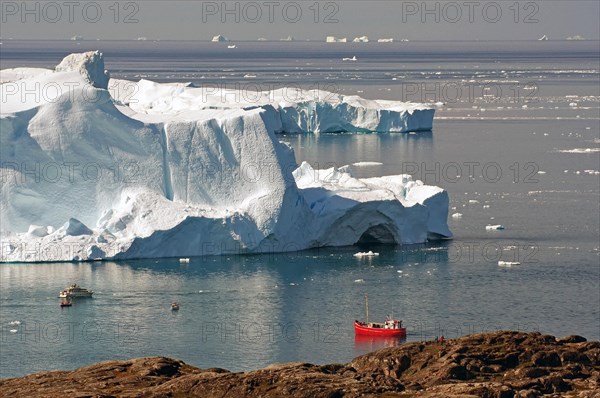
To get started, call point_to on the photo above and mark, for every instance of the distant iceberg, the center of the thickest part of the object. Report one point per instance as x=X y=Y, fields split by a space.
x=385 y=40
x=362 y=39
x=174 y=172
x=333 y=39
x=543 y=38
x=219 y=39
x=576 y=37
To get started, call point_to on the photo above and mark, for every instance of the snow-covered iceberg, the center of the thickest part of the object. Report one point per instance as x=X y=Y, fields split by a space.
x=90 y=173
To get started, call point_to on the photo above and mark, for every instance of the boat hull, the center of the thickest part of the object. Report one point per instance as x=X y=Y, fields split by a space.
x=75 y=294
x=382 y=332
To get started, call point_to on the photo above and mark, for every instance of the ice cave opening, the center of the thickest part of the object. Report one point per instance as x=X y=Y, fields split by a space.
x=378 y=234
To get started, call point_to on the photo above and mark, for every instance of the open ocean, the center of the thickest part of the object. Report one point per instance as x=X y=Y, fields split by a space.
x=517 y=143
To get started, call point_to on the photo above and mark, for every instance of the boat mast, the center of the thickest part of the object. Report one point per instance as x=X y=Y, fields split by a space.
x=367 y=306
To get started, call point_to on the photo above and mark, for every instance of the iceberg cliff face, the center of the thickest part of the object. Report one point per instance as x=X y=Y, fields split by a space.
x=90 y=175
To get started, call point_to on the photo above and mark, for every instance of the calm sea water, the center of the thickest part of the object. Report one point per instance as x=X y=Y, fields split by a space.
x=500 y=148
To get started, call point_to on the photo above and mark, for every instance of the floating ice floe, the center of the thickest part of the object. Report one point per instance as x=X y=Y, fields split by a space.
x=359 y=281
x=333 y=39
x=508 y=263
x=168 y=170
x=184 y=260
x=367 y=164
x=580 y=150
x=366 y=254
x=494 y=227
x=457 y=215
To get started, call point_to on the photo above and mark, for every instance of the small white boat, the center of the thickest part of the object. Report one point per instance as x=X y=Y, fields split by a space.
x=184 y=260
x=75 y=291
x=174 y=306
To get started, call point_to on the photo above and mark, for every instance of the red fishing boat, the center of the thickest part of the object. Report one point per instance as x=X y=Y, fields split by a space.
x=389 y=328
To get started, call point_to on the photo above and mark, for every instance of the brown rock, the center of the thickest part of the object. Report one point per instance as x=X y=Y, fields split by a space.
x=528 y=394
x=505 y=392
x=482 y=365
x=571 y=339
x=555 y=384
x=509 y=360
x=492 y=369
x=544 y=358
x=573 y=356
x=456 y=372
x=532 y=373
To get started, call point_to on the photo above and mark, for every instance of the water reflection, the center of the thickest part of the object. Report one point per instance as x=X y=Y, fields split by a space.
x=335 y=150
x=245 y=312
x=365 y=344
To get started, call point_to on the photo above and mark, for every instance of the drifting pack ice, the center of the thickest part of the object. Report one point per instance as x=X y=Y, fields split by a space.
x=93 y=169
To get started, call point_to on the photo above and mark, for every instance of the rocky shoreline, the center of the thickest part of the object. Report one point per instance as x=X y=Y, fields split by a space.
x=500 y=364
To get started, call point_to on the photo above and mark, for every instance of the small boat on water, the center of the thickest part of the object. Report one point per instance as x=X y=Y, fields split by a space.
x=75 y=291
x=174 y=307
x=66 y=303
x=389 y=328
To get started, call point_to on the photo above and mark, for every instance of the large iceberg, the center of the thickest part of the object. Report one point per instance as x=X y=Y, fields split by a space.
x=173 y=170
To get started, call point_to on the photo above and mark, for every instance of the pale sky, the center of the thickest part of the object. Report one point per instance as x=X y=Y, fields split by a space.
x=249 y=20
